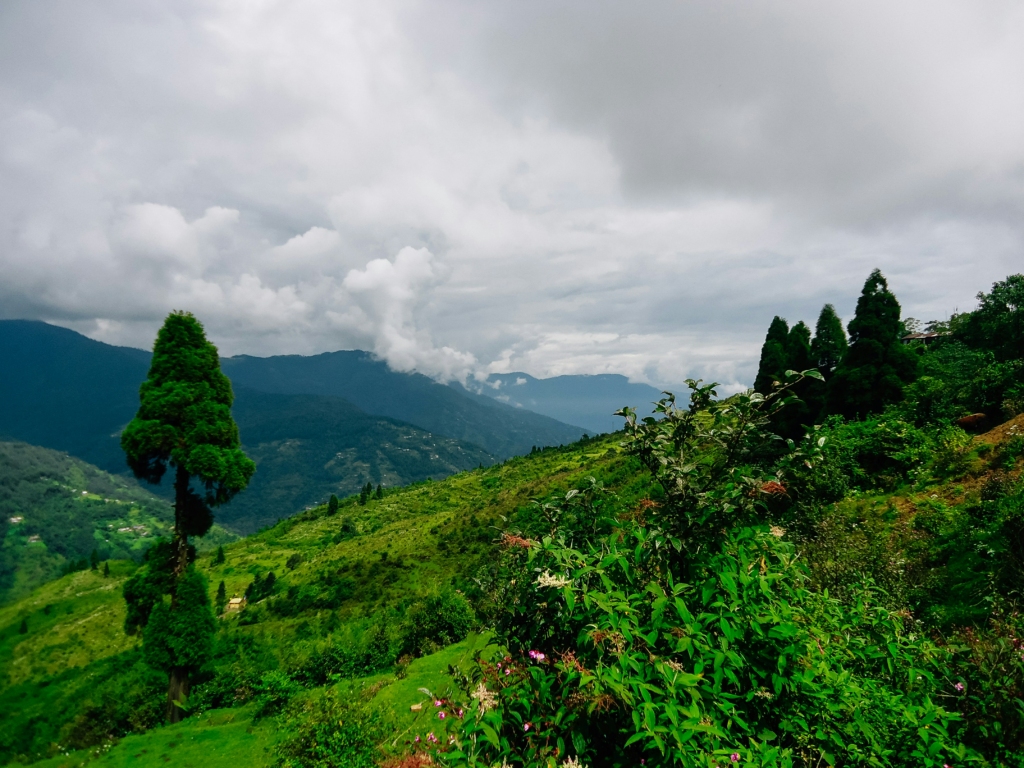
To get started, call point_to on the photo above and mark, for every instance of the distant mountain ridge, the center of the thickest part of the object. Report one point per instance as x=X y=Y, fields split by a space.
x=587 y=400
x=500 y=429
x=300 y=417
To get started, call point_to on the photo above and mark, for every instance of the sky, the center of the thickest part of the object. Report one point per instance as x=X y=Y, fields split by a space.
x=466 y=188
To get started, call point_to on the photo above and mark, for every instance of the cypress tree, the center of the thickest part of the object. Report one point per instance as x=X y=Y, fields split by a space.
x=380 y=491
x=876 y=365
x=106 y=570
x=219 y=558
x=94 y=560
x=222 y=598
x=798 y=348
x=774 y=356
x=332 y=505
x=790 y=421
x=184 y=422
x=23 y=627
x=829 y=345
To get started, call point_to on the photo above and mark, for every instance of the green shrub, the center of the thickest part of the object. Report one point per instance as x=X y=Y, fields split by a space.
x=437 y=621
x=274 y=691
x=332 y=729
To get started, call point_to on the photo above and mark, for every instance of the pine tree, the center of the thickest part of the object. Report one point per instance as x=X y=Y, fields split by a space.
x=222 y=598
x=380 y=491
x=94 y=560
x=829 y=345
x=106 y=570
x=332 y=505
x=876 y=365
x=23 y=627
x=362 y=496
x=184 y=422
x=774 y=356
x=219 y=558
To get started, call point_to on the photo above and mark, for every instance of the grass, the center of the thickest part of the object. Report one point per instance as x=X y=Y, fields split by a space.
x=218 y=739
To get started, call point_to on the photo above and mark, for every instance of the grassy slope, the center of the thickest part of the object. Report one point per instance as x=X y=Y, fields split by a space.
x=430 y=532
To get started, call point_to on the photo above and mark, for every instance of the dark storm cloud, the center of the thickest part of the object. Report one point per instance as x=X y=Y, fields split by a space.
x=553 y=187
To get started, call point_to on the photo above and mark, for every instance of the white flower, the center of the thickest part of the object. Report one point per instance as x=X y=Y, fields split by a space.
x=572 y=762
x=777 y=532
x=547 y=580
x=488 y=699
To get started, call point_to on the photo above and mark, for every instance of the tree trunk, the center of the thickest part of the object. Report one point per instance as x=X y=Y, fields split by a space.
x=178 y=686
x=177 y=691
x=180 y=539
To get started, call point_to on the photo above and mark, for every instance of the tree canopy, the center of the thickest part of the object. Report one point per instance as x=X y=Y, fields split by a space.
x=774 y=356
x=876 y=365
x=829 y=345
x=998 y=323
x=184 y=420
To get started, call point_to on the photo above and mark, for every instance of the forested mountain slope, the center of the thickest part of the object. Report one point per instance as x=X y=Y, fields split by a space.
x=498 y=428
x=58 y=512
x=307 y=447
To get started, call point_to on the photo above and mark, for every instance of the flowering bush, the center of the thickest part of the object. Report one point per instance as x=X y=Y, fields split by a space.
x=688 y=635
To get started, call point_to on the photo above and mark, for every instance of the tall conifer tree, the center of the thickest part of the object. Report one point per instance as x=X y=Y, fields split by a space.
x=774 y=356
x=876 y=365
x=798 y=348
x=829 y=345
x=184 y=423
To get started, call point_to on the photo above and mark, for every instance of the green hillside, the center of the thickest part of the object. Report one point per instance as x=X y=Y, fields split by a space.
x=307 y=447
x=56 y=510
x=365 y=567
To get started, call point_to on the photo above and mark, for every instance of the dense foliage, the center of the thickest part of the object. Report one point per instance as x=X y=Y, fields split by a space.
x=688 y=633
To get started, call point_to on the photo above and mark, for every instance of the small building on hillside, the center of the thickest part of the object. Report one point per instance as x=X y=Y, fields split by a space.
x=235 y=604
x=924 y=338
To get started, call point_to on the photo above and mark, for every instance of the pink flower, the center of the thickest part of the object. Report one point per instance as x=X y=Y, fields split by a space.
x=959 y=687
x=432 y=738
x=460 y=712
x=440 y=715
x=417 y=739
x=735 y=757
x=526 y=726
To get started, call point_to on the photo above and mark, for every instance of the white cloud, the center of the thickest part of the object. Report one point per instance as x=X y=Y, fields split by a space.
x=535 y=186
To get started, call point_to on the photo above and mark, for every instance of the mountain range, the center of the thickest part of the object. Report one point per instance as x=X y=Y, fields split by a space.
x=316 y=425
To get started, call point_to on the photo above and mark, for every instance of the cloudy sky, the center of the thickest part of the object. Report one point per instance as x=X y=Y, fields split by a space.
x=463 y=187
